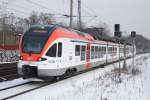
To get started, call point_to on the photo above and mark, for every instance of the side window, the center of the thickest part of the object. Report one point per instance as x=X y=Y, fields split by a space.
x=96 y=51
x=82 y=53
x=113 y=50
x=59 y=49
x=92 y=52
x=104 y=50
x=52 y=51
x=99 y=52
x=77 y=50
x=100 y=49
x=110 y=51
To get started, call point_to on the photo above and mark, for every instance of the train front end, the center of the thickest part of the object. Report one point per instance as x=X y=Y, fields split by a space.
x=33 y=45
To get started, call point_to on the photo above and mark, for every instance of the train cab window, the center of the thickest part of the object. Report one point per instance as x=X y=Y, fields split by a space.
x=82 y=53
x=77 y=50
x=52 y=51
x=59 y=49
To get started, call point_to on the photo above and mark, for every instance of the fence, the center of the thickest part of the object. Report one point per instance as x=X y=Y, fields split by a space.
x=8 y=47
x=8 y=55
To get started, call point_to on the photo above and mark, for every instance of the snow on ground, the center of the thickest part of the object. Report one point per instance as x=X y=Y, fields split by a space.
x=133 y=87
x=12 y=83
x=99 y=84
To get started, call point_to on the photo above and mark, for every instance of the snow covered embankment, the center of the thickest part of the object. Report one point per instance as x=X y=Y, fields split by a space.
x=100 y=84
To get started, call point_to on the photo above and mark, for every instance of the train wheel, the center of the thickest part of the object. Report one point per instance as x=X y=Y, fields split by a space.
x=71 y=72
x=58 y=78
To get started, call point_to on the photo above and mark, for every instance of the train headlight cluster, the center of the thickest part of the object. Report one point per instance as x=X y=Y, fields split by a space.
x=41 y=59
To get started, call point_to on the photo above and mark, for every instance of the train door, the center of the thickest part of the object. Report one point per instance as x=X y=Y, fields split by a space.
x=88 y=52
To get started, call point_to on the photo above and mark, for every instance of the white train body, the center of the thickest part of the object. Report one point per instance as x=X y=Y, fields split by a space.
x=64 y=50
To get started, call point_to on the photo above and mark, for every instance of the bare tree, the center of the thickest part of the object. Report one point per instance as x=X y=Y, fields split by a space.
x=46 y=18
x=33 y=19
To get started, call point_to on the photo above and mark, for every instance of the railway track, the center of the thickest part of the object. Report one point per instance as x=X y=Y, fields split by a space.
x=13 y=91
x=9 y=87
x=8 y=71
x=19 y=89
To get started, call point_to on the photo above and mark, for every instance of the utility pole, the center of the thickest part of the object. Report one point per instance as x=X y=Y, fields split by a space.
x=124 y=65
x=79 y=23
x=71 y=13
x=133 y=35
x=101 y=33
x=119 y=58
x=117 y=34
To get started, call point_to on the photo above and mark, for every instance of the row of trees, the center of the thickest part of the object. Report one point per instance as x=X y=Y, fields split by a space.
x=10 y=22
x=13 y=23
x=11 y=26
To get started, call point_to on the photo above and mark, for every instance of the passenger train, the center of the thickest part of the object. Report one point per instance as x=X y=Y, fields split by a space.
x=50 y=51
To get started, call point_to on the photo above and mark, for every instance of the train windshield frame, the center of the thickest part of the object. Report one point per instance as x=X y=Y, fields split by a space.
x=34 y=39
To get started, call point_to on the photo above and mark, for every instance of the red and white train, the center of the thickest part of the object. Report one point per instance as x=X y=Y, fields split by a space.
x=51 y=51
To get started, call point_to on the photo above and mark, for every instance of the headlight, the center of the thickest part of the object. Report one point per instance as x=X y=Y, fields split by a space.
x=21 y=58
x=41 y=59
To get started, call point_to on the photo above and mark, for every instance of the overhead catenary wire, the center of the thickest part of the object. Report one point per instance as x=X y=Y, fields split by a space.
x=91 y=16
x=19 y=11
x=57 y=15
x=20 y=6
x=22 y=12
x=14 y=10
x=87 y=7
x=37 y=4
x=44 y=7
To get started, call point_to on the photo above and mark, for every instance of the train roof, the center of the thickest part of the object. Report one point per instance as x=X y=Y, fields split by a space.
x=81 y=34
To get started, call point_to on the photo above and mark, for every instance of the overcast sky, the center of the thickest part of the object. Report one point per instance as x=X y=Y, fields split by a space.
x=131 y=14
